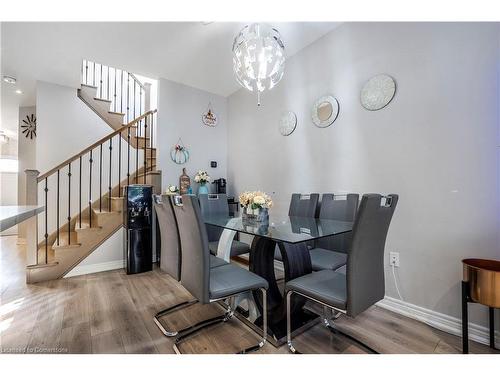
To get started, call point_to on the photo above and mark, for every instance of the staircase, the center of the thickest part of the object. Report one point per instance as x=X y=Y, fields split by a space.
x=83 y=196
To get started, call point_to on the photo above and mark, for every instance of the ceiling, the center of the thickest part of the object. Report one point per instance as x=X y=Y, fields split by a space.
x=193 y=53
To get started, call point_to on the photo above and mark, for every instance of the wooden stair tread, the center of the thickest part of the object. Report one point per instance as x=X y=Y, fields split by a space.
x=92 y=87
x=141 y=174
x=86 y=226
x=63 y=241
x=42 y=265
x=103 y=100
x=105 y=212
x=116 y=113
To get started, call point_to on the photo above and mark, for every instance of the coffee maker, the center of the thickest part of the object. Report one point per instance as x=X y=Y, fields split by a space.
x=220 y=186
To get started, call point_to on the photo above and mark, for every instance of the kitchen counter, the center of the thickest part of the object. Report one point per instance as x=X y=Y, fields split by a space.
x=12 y=215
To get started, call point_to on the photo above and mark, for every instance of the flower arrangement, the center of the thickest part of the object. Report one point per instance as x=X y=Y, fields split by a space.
x=202 y=177
x=255 y=205
x=172 y=189
x=255 y=200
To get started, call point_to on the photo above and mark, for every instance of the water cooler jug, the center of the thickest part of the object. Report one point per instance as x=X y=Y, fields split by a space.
x=138 y=228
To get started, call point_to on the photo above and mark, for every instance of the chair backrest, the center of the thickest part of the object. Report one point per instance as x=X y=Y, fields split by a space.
x=365 y=264
x=170 y=253
x=304 y=205
x=214 y=204
x=195 y=266
x=338 y=207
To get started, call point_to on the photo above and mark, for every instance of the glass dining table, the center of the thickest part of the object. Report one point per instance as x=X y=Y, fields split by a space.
x=292 y=236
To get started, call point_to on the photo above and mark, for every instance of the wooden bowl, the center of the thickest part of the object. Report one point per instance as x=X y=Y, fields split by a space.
x=483 y=276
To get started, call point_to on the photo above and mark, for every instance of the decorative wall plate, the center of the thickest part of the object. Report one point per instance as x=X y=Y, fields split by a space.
x=29 y=130
x=288 y=122
x=179 y=153
x=209 y=118
x=377 y=92
x=325 y=111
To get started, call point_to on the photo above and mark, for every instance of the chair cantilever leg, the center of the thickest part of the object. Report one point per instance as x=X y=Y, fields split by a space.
x=326 y=321
x=186 y=333
x=264 y=326
x=189 y=331
x=329 y=317
x=360 y=343
x=170 y=310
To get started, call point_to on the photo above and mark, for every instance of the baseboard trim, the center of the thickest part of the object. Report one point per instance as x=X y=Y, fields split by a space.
x=438 y=320
x=97 y=267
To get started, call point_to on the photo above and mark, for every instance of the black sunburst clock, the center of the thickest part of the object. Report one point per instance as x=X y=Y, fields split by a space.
x=29 y=130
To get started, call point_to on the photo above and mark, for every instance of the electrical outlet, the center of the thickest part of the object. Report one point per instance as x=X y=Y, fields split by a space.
x=394 y=259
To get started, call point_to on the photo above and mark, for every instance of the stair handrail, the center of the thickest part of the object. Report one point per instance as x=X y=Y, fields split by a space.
x=94 y=145
x=137 y=80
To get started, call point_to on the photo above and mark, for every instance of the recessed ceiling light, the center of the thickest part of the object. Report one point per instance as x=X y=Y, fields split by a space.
x=9 y=79
x=19 y=92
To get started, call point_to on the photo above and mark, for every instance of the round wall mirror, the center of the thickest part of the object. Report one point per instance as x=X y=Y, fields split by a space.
x=288 y=122
x=377 y=92
x=325 y=111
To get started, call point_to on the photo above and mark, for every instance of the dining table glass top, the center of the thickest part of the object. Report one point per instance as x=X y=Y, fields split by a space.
x=290 y=229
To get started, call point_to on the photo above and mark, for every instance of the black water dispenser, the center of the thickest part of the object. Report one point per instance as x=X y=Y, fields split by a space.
x=138 y=228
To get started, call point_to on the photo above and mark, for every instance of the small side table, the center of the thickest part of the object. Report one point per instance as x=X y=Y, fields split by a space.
x=481 y=284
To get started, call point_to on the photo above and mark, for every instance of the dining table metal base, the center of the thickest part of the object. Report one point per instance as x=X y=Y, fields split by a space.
x=296 y=263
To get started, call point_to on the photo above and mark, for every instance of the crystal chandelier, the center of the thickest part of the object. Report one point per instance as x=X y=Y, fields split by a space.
x=258 y=57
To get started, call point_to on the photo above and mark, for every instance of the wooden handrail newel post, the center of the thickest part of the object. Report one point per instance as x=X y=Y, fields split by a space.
x=32 y=223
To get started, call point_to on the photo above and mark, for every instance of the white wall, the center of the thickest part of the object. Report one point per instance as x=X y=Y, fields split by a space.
x=26 y=153
x=26 y=159
x=65 y=125
x=108 y=256
x=8 y=180
x=179 y=115
x=436 y=144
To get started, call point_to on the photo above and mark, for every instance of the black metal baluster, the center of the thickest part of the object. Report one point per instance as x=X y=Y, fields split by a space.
x=46 y=225
x=115 y=90
x=136 y=158
x=135 y=99
x=100 y=179
x=128 y=157
x=90 y=189
x=120 y=164
x=69 y=203
x=151 y=130
x=57 y=209
x=128 y=96
x=108 y=83
x=80 y=194
x=145 y=147
x=109 y=185
x=121 y=92
x=100 y=88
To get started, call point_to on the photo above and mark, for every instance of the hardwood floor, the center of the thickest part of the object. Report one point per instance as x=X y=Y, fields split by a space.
x=111 y=312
